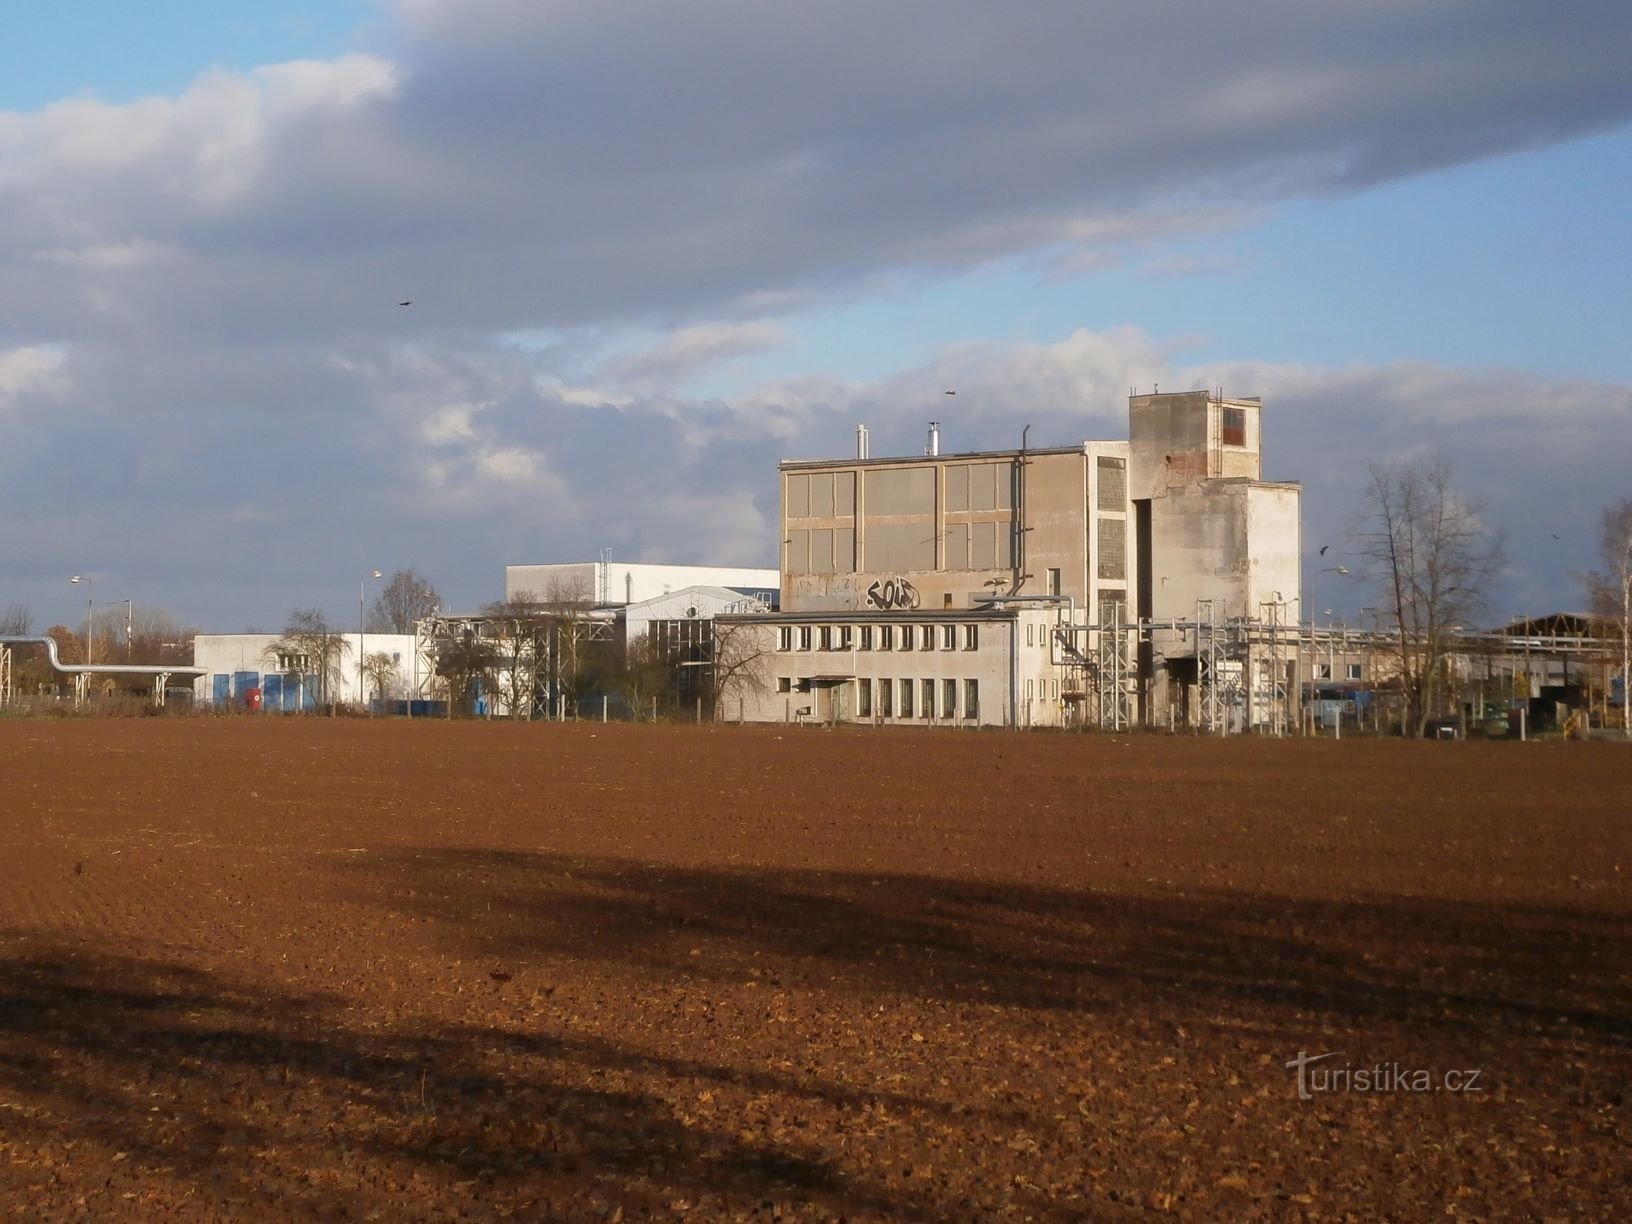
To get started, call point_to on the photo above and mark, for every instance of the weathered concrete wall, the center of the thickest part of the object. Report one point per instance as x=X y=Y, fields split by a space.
x=1179 y=439
x=936 y=532
x=1275 y=534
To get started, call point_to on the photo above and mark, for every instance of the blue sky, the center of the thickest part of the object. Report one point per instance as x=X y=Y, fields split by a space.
x=1404 y=229
x=119 y=52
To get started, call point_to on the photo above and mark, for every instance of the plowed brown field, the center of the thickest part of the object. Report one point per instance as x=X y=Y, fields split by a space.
x=265 y=969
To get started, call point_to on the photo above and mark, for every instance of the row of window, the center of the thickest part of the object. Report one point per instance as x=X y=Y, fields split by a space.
x=926 y=699
x=1323 y=671
x=877 y=637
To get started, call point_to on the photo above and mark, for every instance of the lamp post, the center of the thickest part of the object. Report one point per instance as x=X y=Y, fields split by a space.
x=362 y=693
x=90 y=628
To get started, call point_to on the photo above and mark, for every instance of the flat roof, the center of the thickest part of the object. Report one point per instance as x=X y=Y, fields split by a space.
x=1080 y=448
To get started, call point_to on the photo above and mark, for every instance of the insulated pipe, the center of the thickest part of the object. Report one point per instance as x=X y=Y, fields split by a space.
x=98 y=669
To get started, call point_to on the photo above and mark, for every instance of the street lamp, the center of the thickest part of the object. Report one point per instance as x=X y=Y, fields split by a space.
x=1330 y=569
x=90 y=629
x=362 y=693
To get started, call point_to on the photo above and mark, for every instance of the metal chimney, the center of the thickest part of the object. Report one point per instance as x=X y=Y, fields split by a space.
x=934 y=447
x=861 y=441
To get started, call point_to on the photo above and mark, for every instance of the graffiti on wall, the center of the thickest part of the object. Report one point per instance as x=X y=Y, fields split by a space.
x=887 y=593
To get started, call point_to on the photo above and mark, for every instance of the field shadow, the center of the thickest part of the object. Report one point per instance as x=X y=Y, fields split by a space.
x=1277 y=964
x=133 y=1084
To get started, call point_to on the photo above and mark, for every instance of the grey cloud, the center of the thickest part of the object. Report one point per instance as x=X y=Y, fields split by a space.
x=207 y=388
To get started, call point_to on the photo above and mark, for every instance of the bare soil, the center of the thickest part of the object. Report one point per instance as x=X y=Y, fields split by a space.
x=263 y=969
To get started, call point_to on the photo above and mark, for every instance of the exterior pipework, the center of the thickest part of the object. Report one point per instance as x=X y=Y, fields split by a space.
x=99 y=669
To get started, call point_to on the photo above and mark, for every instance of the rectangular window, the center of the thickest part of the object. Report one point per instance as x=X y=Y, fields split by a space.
x=971 y=637
x=866 y=637
x=949 y=637
x=1029 y=637
x=886 y=694
x=1113 y=606
x=949 y=699
x=1233 y=427
x=784 y=638
x=844 y=637
x=1030 y=689
x=784 y=684
x=804 y=637
x=824 y=638
x=906 y=699
x=926 y=637
x=1053 y=582
x=1354 y=671
x=1113 y=484
x=1113 y=548
x=926 y=706
x=971 y=699
x=886 y=637
x=864 y=698
x=1323 y=671
x=906 y=637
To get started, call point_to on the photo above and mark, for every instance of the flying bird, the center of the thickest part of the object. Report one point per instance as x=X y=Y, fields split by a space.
x=407 y=303
x=1323 y=549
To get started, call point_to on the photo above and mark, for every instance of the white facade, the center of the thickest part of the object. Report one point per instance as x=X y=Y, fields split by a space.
x=245 y=671
x=611 y=582
x=987 y=668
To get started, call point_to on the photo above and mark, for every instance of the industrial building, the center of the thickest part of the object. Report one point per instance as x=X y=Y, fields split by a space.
x=608 y=584
x=1153 y=580
x=258 y=671
x=566 y=631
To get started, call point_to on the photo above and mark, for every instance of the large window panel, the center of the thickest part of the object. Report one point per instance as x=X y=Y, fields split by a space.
x=957 y=546
x=799 y=496
x=844 y=493
x=821 y=495
x=894 y=547
x=901 y=491
x=1113 y=483
x=957 y=487
x=798 y=552
x=982 y=486
x=821 y=551
x=1113 y=548
x=983 y=546
x=844 y=550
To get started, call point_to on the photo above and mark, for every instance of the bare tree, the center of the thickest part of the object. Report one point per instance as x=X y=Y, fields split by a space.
x=467 y=665
x=309 y=647
x=577 y=644
x=521 y=624
x=1433 y=560
x=402 y=603
x=739 y=658
x=381 y=674
x=16 y=622
x=644 y=674
x=1611 y=590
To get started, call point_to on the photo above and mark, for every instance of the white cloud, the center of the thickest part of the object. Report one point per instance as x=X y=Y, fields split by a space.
x=224 y=266
x=36 y=369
